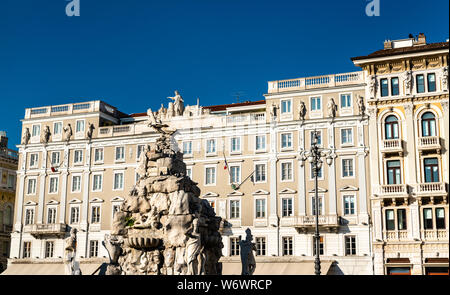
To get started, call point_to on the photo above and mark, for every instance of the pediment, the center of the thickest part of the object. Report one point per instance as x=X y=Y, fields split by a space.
x=75 y=201
x=319 y=190
x=96 y=200
x=210 y=195
x=118 y=199
x=261 y=192
x=287 y=191
x=30 y=203
x=235 y=194
x=52 y=202
x=349 y=188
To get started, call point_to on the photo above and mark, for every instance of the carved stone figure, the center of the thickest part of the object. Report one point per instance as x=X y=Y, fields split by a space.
x=90 y=130
x=47 y=134
x=26 y=136
x=273 y=111
x=68 y=132
x=408 y=82
x=152 y=119
x=246 y=250
x=361 y=106
x=193 y=247
x=445 y=78
x=70 y=250
x=178 y=104
x=302 y=110
x=372 y=86
x=332 y=108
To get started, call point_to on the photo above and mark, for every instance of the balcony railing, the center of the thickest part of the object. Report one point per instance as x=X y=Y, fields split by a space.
x=389 y=190
x=246 y=119
x=40 y=230
x=310 y=221
x=9 y=154
x=118 y=130
x=392 y=145
x=435 y=234
x=396 y=235
x=428 y=188
x=429 y=142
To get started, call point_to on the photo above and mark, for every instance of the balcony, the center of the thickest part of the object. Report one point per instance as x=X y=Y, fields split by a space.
x=9 y=154
x=303 y=223
x=395 y=235
x=119 y=130
x=41 y=230
x=435 y=235
x=429 y=143
x=392 y=190
x=392 y=146
x=431 y=189
x=256 y=118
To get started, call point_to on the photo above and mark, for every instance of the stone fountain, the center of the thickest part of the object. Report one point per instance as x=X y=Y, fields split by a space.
x=163 y=227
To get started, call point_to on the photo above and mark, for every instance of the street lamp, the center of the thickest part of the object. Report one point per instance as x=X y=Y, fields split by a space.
x=314 y=156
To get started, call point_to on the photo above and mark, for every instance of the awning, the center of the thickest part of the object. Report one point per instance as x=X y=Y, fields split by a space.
x=277 y=268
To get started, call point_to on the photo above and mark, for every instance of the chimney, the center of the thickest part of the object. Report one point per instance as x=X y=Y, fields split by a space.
x=421 y=39
x=388 y=44
x=3 y=139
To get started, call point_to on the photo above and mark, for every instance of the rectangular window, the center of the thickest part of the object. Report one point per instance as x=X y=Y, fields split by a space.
x=260 y=246
x=235 y=209
x=51 y=215
x=98 y=155
x=210 y=175
x=286 y=171
x=260 y=208
x=440 y=218
x=36 y=130
x=346 y=100
x=234 y=246
x=286 y=140
x=431 y=79
x=93 y=249
x=319 y=173
x=26 y=250
x=31 y=190
x=260 y=142
x=286 y=106
x=401 y=219
x=74 y=215
x=55 y=158
x=78 y=157
x=49 y=247
x=29 y=216
x=319 y=137
x=57 y=128
x=350 y=245
x=95 y=216
x=431 y=168
x=347 y=167
x=140 y=148
x=235 y=174
x=260 y=172
x=211 y=146
x=347 y=136
x=98 y=182
x=187 y=147
x=235 y=144
x=394 y=86
x=316 y=104
x=349 y=205
x=394 y=175
x=384 y=87
x=286 y=207
x=287 y=246
x=427 y=218
x=390 y=222
x=79 y=126
x=189 y=172
x=320 y=246
x=120 y=153
x=76 y=183
x=420 y=84
x=11 y=181
x=34 y=160
x=53 y=189
x=118 y=181
x=313 y=203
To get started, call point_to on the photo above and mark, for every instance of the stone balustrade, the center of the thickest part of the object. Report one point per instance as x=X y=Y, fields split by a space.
x=389 y=190
x=429 y=142
x=395 y=235
x=40 y=230
x=435 y=234
x=310 y=221
x=392 y=145
x=428 y=188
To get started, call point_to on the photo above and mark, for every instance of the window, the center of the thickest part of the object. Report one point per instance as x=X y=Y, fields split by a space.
x=93 y=249
x=319 y=172
x=286 y=106
x=234 y=246
x=76 y=183
x=187 y=148
x=319 y=137
x=78 y=157
x=349 y=205
x=260 y=246
x=350 y=245
x=347 y=136
x=440 y=218
x=260 y=142
x=390 y=223
x=139 y=150
x=286 y=207
x=287 y=246
x=320 y=246
x=316 y=104
x=286 y=171
x=346 y=100
x=431 y=79
x=98 y=182
x=189 y=172
x=235 y=209
x=11 y=181
x=120 y=153
x=420 y=84
x=347 y=167
x=36 y=130
x=235 y=144
x=260 y=208
x=98 y=155
x=211 y=146
x=57 y=128
x=391 y=127
x=394 y=86
x=384 y=87
x=428 y=124
x=55 y=158
x=427 y=218
x=313 y=203
x=49 y=247
x=53 y=189
x=34 y=160
x=31 y=190
x=431 y=168
x=79 y=126
x=286 y=140
x=26 y=250
x=210 y=176
x=235 y=174
x=29 y=216
x=74 y=214
x=401 y=219
x=95 y=216
x=8 y=215
x=394 y=174
x=51 y=215
x=118 y=181
x=260 y=172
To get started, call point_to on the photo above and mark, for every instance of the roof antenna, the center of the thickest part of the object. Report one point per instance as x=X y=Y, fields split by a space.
x=238 y=95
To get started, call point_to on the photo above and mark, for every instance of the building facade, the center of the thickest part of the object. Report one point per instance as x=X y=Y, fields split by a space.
x=8 y=167
x=407 y=97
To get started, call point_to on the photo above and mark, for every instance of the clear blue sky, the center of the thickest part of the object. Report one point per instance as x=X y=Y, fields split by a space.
x=134 y=53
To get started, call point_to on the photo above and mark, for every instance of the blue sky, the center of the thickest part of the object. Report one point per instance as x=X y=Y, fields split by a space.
x=134 y=53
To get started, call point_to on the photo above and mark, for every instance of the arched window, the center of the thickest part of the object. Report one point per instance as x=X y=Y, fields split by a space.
x=391 y=127
x=428 y=124
x=8 y=216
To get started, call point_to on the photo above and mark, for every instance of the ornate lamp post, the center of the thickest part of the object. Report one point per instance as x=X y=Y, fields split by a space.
x=314 y=156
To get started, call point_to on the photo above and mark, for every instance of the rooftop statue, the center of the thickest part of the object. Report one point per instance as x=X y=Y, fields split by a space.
x=178 y=104
x=26 y=136
x=332 y=108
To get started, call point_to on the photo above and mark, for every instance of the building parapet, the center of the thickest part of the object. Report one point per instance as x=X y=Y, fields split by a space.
x=40 y=230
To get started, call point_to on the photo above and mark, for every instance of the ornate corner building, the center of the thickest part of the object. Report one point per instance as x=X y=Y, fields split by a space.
x=407 y=99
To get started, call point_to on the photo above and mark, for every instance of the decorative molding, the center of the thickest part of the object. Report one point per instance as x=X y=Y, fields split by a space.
x=210 y=195
x=235 y=194
x=261 y=192
x=287 y=191
x=96 y=200
x=348 y=188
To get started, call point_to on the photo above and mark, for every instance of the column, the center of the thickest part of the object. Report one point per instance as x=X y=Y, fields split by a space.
x=42 y=187
x=374 y=142
x=62 y=212
x=332 y=210
x=446 y=136
x=19 y=204
x=301 y=175
x=377 y=221
x=363 y=210
x=273 y=211
x=410 y=161
x=415 y=219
